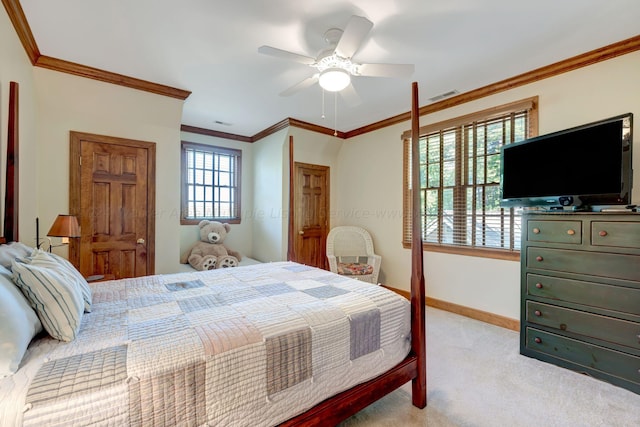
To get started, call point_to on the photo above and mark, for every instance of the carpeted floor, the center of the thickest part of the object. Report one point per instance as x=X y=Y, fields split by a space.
x=476 y=377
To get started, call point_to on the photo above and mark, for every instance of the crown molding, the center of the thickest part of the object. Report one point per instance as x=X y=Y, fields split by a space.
x=106 y=76
x=21 y=26
x=589 y=58
x=283 y=124
x=215 y=133
x=19 y=21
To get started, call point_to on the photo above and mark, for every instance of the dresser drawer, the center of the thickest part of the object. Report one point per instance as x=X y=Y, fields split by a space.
x=554 y=231
x=615 y=234
x=610 y=362
x=617 y=331
x=617 y=298
x=617 y=266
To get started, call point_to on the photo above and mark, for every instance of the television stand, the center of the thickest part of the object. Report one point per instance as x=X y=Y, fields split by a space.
x=580 y=293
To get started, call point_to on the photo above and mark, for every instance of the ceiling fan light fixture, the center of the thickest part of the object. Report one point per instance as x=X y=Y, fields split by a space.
x=334 y=79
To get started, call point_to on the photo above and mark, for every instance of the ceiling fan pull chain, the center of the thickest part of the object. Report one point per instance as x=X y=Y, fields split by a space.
x=322 y=104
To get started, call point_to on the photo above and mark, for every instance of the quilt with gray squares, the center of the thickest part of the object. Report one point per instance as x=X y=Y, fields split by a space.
x=251 y=345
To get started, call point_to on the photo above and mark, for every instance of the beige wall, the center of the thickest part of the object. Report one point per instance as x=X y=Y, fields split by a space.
x=240 y=238
x=68 y=103
x=319 y=149
x=373 y=197
x=15 y=66
x=270 y=185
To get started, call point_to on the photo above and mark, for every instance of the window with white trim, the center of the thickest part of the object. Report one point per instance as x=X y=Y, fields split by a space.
x=210 y=183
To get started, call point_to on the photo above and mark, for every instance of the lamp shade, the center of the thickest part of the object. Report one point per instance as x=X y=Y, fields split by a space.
x=65 y=226
x=334 y=79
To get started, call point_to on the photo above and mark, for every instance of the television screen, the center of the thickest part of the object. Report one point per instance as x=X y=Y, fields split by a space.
x=582 y=166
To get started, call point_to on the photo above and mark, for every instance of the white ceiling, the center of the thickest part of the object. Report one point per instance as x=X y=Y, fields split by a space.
x=209 y=47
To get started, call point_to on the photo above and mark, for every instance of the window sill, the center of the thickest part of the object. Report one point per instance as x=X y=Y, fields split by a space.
x=467 y=251
x=196 y=221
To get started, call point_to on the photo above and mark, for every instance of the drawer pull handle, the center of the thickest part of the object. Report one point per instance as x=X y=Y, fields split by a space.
x=538 y=340
x=536 y=231
x=602 y=233
x=571 y=232
x=539 y=285
x=537 y=313
x=539 y=258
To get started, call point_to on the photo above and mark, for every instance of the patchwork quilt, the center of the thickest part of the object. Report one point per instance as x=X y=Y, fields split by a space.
x=247 y=346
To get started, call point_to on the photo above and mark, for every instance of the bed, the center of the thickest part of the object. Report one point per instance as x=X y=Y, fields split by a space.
x=267 y=344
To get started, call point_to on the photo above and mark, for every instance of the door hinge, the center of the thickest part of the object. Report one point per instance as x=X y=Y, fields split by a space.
x=80 y=160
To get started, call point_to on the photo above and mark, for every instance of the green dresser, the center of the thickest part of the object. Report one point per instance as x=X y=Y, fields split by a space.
x=581 y=293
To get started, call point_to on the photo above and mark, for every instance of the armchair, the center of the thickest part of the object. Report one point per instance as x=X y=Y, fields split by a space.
x=350 y=253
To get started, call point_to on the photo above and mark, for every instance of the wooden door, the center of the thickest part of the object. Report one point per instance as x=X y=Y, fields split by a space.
x=113 y=195
x=311 y=210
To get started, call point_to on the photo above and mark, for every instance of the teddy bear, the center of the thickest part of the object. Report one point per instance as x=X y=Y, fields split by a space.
x=210 y=252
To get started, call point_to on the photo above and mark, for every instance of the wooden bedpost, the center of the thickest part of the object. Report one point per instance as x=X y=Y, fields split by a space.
x=418 y=327
x=11 y=189
x=291 y=256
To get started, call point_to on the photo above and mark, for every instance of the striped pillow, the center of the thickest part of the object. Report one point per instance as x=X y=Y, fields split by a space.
x=53 y=293
x=81 y=281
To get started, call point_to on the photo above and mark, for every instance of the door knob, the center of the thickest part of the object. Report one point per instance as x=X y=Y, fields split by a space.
x=140 y=241
x=301 y=232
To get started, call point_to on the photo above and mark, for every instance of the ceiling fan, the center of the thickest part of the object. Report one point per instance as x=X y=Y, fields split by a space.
x=334 y=65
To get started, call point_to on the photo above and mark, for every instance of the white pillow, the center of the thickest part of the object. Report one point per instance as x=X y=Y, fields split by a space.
x=18 y=324
x=80 y=280
x=11 y=251
x=52 y=292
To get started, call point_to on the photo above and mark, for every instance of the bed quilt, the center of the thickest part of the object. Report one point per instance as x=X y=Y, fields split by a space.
x=244 y=346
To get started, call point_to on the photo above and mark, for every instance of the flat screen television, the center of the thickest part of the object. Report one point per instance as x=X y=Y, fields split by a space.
x=581 y=167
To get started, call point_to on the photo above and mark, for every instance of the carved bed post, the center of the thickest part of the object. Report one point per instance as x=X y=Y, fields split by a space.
x=11 y=190
x=418 y=339
x=291 y=256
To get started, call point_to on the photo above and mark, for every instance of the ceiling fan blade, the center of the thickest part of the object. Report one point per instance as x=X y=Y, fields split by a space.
x=386 y=70
x=350 y=96
x=309 y=81
x=354 y=33
x=285 y=54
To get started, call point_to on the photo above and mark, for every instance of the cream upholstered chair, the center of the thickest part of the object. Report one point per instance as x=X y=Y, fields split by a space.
x=350 y=253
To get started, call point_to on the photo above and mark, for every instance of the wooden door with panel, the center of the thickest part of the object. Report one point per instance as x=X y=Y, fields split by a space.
x=114 y=200
x=311 y=214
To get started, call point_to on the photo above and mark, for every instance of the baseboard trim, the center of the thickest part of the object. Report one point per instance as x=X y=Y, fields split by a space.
x=483 y=316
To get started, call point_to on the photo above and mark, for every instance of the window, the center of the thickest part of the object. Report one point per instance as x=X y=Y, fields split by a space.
x=210 y=183
x=460 y=182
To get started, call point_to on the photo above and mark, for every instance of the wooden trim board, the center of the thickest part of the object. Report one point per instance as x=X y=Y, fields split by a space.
x=473 y=313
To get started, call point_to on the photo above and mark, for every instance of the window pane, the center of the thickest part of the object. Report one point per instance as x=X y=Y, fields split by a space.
x=479 y=142
x=423 y=151
x=434 y=148
x=223 y=179
x=449 y=146
x=449 y=174
x=225 y=163
x=199 y=160
x=208 y=161
x=199 y=193
x=480 y=170
x=493 y=169
x=209 y=190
